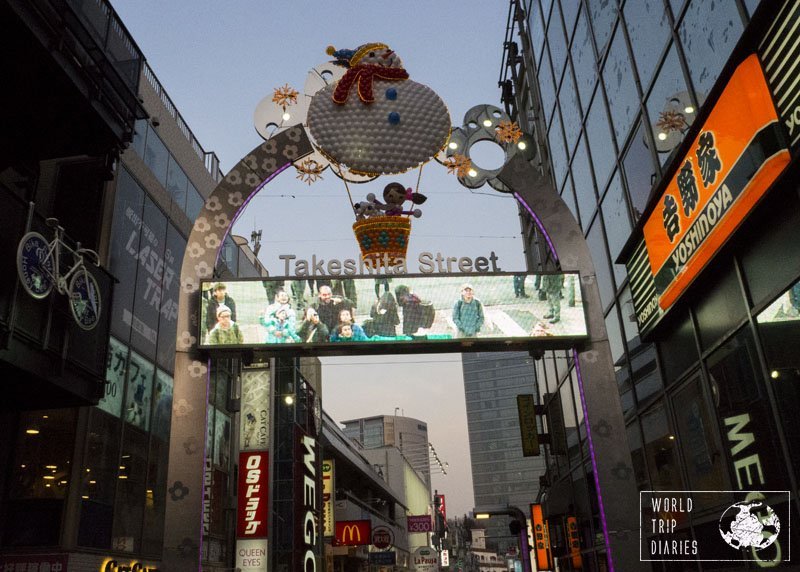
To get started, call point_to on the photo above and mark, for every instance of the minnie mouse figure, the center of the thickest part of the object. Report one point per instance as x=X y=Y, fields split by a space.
x=395 y=195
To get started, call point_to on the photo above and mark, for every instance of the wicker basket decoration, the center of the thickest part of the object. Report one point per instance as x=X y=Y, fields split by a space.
x=383 y=239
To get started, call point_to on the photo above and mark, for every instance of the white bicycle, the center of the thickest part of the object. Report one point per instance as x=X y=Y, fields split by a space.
x=43 y=265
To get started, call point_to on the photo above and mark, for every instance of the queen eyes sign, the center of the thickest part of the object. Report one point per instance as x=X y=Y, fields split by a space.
x=394 y=313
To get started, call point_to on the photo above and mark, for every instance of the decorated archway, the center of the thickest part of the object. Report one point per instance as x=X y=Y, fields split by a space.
x=612 y=471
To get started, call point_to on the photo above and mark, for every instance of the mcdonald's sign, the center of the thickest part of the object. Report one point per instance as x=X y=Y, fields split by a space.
x=353 y=532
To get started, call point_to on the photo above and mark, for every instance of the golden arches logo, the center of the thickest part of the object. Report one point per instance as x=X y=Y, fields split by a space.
x=353 y=530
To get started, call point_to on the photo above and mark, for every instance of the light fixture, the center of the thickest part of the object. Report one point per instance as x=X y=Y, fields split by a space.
x=49 y=477
x=487 y=122
x=45 y=417
x=688 y=109
x=472 y=173
x=85 y=497
x=123 y=476
x=32 y=431
x=482 y=516
x=92 y=482
x=288 y=400
x=50 y=467
x=521 y=145
x=672 y=437
x=775 y=374
x=286 y=116
x=662 y=136
x=453 y=145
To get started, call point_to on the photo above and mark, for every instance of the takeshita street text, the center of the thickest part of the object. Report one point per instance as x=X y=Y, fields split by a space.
x=427 y=261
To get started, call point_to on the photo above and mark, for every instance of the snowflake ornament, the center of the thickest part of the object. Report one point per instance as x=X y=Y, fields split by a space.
x=285 y=96
x=508 y=132
x=458 y=164
x=309 y=171
x=669 y=121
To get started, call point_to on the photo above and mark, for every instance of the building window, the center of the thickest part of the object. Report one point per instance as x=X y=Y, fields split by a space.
x=648 y=29
x=620 y=88
x=617 y=222
x=603 y=17
x=597 y=246
x=660 y=454
x=584 y=184
x=583 y=60
x=640 y=171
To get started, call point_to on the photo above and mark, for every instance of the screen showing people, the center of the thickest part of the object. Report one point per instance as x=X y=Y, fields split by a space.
x=386 y=309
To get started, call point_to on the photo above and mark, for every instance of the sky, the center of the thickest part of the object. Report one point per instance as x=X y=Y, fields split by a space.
x=218 y=60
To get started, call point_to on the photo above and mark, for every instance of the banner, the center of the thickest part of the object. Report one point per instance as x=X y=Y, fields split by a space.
x=419 y=523
x=328 y=488
x=251 y=516
x=527 y=425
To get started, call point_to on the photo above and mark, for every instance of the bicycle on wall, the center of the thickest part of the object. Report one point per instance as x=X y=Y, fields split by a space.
x=43 y=265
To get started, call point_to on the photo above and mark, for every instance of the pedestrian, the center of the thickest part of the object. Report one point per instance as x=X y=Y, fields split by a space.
x=552 y=285
x=468 y=313
x=219 y=297
x=226 y=331
x=519 y=286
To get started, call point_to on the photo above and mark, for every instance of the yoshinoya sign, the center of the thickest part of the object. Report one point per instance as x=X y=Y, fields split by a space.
x=732 y=162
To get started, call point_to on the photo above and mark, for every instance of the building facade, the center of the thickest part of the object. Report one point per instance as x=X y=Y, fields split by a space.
x=501 y=475
x=619 y=95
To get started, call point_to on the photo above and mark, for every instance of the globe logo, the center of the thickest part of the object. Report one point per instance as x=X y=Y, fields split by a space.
x=749 y=524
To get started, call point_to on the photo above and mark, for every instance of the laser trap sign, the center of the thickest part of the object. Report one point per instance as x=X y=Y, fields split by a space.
x=393 y=313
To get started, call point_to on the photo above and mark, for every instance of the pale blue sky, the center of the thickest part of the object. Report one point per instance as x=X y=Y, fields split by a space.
x=217 y=60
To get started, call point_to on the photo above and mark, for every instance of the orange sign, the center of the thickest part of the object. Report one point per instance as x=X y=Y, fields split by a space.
x=574 y=543
x=734 y=159
x=541 y=538
x=353 y=532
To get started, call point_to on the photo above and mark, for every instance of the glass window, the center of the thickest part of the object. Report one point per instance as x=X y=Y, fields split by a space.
x=639 y=171
x=678 y=349
x=646 y=378
x=584 y=184
x=751 y=6
x=569 y=198
x=99 y=480
x=670 y=107
x=648 y=29
x=116 y=368
x=615 y=339
x=604 y=14
x=597 y=246
x=176 y=183
x=722 y=307
x=699 y=441
x=156 y=156
x=570 y=422
x=583 y=60
x=558 y=154
x=620 y=88
x=569 y=9
x=629 y=324
x=39 y=477
x=149 y=280
x=557 y=43
x=547 y=86
x=194 y=202
x=637 y=456
x=746 y=418
x=570 y=112
x=170 y=289
x=617 y=221
x=659 y=444
x=537 y=32
x=123 y=264
x=709 y=31
x=601 y=141
x=138 y=398
x=779 y=327
x=139 y=136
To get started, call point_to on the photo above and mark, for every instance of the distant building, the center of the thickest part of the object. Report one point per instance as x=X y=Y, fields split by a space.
x=500 y=474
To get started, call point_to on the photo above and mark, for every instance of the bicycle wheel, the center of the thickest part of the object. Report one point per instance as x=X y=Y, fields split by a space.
x=34 y=267
x=84 y=299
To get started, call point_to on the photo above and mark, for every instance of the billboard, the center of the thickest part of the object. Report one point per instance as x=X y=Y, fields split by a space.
x=393 y=313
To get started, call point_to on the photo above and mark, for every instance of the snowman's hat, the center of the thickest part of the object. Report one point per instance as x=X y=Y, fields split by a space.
x=350 y=58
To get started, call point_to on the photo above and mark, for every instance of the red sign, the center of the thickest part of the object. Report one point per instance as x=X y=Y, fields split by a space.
x=353 y=532
x=251 y=516
x=420 y=523
x=382 y=537
x=438 y=501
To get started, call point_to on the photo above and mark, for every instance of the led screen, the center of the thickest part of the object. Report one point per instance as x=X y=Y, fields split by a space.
x=393 y=313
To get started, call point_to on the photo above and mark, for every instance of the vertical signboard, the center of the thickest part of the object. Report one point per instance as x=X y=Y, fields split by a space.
x=253 y=486
x=307 y=513
x=328 y=486
x=527 y=425
x=574 y=543
x=541 y=538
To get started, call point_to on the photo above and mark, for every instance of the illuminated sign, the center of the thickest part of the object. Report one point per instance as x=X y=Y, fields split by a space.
x=427 y=263
x=574 y=543
x=441 y=506
x=737 y=155
x=255 y=415
x=541 y=538
x=382 y=537
x=251 y=520
x=419 y=523
x=114 y=566
x=432 y=313
x=527 y=425
x=308 y=502
x=327 y=497
x=353 y=532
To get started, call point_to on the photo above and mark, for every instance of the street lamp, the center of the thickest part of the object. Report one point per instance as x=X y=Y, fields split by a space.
x=514 y=512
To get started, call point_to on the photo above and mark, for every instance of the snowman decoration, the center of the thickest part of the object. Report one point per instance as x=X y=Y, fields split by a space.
x=375 y=120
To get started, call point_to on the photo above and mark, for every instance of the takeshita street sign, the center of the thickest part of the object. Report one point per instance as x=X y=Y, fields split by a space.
x=434 y=313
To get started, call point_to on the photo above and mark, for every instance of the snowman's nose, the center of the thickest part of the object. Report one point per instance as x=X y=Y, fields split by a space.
x=387 y=54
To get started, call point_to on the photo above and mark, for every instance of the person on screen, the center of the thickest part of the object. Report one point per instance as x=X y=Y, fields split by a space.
x=413 y=318
x=382 y=281
x=282 y=301
x=279 y=329
x=519 y=286
x=347 y=333
x=346 y=317
x=219 y=297
x=384 y=317
x=311 y=330
x=226 y=331
x=553 y=284
x=468 y=313
x=328 y=306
